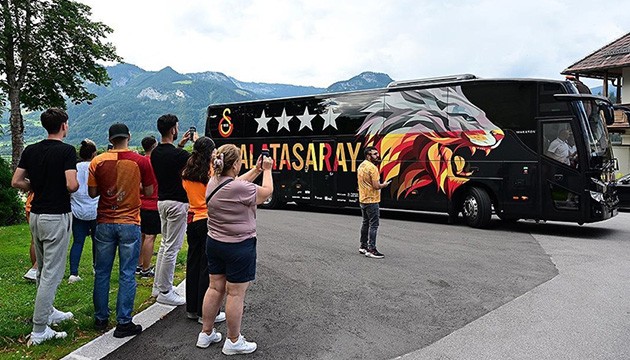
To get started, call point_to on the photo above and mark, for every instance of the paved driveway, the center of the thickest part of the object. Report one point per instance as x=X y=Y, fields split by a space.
x=315 y=297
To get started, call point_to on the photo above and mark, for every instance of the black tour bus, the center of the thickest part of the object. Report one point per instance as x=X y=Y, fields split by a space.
x=456 y=144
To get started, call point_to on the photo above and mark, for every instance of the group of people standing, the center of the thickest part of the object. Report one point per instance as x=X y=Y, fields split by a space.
x=198 y=194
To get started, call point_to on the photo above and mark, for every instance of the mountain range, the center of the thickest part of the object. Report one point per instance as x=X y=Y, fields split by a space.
x=138 y=97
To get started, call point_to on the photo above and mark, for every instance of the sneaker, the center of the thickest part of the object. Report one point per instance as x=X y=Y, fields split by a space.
x=58 y=316
x=31 y=274
x=374 y=254
x=74 y=278
x=48 y=334
x=362 y=249
x=204 y=340
x=138 y=270
x=101 y=325
x=155 y=292
x=218 y=319
x=241 y=346
x=145 y=274
x=128 y=329
x=171 y=298
x=192 y=315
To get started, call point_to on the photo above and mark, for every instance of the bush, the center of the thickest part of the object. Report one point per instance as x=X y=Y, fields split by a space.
x=11 y=205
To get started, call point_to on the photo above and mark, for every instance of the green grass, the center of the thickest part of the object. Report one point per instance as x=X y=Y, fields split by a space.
x=18 y=296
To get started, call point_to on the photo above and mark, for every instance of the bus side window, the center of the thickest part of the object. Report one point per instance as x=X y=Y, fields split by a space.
x=561 y=147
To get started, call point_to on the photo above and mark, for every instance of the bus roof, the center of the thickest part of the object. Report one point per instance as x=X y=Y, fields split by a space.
x=403 y=84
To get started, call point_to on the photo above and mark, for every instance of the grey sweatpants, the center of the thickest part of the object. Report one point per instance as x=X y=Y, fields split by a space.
x=173 y=216
x=51 y=236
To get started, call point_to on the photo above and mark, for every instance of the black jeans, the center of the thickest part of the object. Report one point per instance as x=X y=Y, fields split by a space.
x=369 y=227
x=197 y=278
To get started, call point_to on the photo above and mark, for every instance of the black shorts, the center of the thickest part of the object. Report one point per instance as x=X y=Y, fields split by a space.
x=150 y=223
x=237 y=261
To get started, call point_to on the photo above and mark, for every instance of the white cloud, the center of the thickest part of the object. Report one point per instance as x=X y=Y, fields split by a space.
x=320 y=42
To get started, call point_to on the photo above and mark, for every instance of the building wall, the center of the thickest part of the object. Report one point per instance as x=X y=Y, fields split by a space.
x=625 y=88
x=622 y=153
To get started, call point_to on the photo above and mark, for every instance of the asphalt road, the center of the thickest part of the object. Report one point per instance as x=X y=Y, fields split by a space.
x=316 y=297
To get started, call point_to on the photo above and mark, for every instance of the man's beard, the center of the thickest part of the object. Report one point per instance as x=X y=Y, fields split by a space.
x=175 y=136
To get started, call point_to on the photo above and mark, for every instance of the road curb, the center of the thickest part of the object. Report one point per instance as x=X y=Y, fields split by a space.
x=107 y=343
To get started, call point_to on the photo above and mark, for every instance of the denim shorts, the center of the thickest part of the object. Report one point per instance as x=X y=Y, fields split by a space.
x=237 y=261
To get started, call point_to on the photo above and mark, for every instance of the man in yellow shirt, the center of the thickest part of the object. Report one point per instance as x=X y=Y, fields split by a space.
x=369 y=197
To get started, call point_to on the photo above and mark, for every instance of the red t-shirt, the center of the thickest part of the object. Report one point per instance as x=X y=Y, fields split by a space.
x=150 y=202
x=118 y=174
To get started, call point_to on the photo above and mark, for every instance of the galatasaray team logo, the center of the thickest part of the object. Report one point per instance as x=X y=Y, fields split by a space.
x=225 y=125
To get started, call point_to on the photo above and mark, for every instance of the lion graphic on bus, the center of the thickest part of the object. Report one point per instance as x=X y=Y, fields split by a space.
x=424 y=137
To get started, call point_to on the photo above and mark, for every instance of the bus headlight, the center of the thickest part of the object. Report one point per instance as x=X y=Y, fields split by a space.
x=597 y=196
x=600 y=184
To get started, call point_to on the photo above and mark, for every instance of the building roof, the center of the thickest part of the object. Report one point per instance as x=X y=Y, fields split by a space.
x=610 y=59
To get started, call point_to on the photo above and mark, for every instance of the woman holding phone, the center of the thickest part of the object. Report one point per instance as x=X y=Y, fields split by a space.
x=231 y=243
x=195 y=177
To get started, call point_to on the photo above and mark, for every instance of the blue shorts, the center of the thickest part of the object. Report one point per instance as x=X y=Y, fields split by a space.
x=237 y=261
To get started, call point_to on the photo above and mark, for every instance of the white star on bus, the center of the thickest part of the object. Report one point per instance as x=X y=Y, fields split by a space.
x=262 y=122
x=329 y=118
x=306 y=119
x=283 y=120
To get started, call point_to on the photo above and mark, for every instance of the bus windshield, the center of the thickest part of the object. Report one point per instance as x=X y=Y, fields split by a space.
x=595 y=128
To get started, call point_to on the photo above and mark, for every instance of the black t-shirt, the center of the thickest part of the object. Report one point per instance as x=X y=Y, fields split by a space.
x=46 y=163
x=168 y=163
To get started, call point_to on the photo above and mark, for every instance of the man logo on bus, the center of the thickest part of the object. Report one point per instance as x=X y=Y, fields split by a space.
x=225 y=125
x=425 y=136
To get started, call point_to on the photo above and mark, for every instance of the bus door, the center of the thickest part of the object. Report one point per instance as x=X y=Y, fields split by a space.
x=561 y=186
x=323 y=172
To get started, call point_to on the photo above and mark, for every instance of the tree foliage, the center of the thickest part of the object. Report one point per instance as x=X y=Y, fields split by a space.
x=11 y=206
x=50 y=48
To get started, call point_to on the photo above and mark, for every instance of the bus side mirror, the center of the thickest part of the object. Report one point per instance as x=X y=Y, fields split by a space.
x=609 y=115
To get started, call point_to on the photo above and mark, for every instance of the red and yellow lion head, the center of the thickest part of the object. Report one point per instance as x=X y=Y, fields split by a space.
x=420 y=133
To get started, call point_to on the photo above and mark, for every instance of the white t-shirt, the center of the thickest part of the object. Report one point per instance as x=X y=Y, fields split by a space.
x=559 y=150
x=82 y=205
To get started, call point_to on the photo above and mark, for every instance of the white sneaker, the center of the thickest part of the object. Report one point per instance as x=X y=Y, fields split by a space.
x=31 y=274
x=171 y=298
x=58 y=316
x=241 y=346
x=74 y=278
x=204 y=340
x=219 y=318
x=155 y=292
x=38 y=338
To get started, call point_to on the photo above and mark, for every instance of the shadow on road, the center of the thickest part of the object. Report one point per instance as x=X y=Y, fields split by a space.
x=587 y=231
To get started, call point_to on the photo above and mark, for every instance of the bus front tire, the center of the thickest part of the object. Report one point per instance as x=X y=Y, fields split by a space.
x=272 y=203
x=477 y=208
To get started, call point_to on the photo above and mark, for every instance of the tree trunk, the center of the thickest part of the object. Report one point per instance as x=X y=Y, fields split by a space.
x=17 y=127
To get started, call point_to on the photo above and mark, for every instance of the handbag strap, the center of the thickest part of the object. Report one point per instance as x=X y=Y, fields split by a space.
x=217 y=189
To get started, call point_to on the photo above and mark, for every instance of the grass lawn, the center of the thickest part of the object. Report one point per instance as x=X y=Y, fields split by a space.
x=18 y=296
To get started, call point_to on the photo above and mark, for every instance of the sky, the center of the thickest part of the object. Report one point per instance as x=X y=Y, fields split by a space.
x=319 y=42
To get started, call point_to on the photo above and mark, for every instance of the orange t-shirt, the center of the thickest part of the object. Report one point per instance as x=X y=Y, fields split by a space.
x=196 y=193
x=27 y=206
x=366 y=173
x=118 y=174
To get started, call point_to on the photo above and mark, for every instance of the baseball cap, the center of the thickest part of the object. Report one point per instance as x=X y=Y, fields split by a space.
x=118 y=130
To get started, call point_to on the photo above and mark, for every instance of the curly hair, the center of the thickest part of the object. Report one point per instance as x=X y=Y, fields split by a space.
x=198 y=165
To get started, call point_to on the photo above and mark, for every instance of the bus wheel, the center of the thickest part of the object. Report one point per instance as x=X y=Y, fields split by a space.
x=272 y=203
x=477 y=208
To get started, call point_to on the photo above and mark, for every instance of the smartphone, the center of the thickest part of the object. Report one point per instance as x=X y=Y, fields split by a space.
x=264 y=152
x=192 y=130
